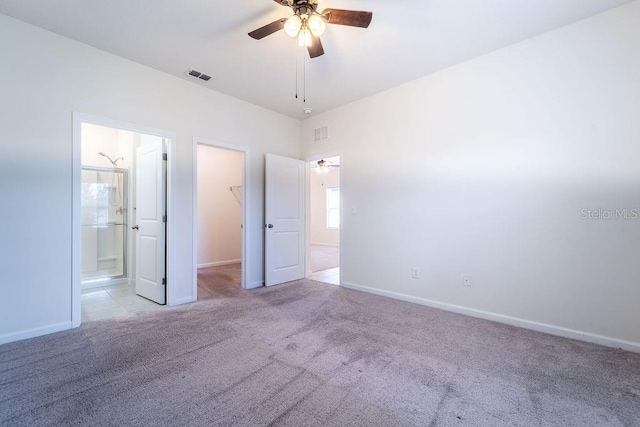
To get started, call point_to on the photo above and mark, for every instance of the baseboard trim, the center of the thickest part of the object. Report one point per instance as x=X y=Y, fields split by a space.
x=255 y=285
x=35 y=332
x=333 y=245
x=219 y=263
x=513 y=321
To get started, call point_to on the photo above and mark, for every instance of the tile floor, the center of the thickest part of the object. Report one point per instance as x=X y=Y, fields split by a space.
x=114 y=301
x=331 y=276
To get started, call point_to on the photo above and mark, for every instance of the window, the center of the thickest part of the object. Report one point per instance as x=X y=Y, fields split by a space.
x=333 y=207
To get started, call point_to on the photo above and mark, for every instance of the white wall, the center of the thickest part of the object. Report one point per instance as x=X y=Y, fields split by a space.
x=484 y=169
x=319 y=183
x=35 y=160
x=219 y=212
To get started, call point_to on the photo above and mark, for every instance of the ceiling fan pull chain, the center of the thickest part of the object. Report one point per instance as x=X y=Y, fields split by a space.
x=296 y=75
x=304 y=78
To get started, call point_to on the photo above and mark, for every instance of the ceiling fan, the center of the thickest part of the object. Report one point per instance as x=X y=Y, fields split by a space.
x=307 y=24
x=323 y=166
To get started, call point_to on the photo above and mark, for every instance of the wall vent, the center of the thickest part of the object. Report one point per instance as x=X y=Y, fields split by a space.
x=321 y=134
x=197 y=74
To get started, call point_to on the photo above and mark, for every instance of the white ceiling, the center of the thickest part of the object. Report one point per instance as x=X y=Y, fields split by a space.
x=407 y=39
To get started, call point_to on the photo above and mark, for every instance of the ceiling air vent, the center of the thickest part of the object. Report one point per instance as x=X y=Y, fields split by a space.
x=321 y=134
x=197 y=74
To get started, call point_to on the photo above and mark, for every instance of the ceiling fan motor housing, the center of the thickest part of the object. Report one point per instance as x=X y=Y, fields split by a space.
x=304 y=7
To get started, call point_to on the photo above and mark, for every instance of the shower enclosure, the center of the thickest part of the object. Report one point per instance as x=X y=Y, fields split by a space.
x=104 y=225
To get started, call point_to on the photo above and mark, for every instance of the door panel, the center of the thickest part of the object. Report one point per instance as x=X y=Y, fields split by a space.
x=148 y=263
x=286 y=249
x=150 y=209
x=284 y=200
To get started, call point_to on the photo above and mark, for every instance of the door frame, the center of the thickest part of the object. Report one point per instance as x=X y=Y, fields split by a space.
x=76 y=169
x=246 y=220
x=307 y=177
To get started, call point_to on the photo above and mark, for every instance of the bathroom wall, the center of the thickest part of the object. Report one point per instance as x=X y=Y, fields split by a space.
x=113 y=142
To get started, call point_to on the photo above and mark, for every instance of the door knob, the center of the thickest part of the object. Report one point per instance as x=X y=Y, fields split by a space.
x=269 y=225
x=135 y=227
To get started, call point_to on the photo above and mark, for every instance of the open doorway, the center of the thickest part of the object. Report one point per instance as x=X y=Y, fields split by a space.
x=219 y=218
x=120 y=219
x=324 y=220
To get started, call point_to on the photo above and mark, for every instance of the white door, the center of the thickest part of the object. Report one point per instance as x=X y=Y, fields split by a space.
x=150 y=218
x=284 y=228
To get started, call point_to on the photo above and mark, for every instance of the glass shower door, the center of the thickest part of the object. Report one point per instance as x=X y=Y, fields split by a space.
x=104 y=223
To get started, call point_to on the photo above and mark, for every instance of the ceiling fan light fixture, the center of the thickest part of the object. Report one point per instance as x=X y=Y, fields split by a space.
x=293 y=25
x=307 y=24
x=304 y=37
x=323 y=166
x=316 y=25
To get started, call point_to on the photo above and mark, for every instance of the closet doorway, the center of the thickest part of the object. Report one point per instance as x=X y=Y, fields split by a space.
x=220 y=202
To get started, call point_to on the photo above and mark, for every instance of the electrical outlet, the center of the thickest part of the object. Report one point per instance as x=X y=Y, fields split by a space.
x=466 y=280
x=353 y=210
x=415 y=272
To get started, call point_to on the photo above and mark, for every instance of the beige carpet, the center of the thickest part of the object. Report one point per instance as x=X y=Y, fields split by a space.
x=307 y=353
x=221 y=281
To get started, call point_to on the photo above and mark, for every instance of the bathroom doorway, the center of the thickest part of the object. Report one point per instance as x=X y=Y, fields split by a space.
x=120 y=220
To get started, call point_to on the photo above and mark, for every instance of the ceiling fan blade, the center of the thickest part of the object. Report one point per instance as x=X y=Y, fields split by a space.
x=283 y=2
x=268 y=29
x=352 y=18
x=316 y=48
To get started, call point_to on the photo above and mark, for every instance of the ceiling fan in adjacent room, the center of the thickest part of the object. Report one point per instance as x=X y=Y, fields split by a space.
x=307 y=24
x=323 y=166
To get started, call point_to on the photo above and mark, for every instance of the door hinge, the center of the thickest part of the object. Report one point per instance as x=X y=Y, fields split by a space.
x=164 y=280
x=164 y=156
x=164 y=218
